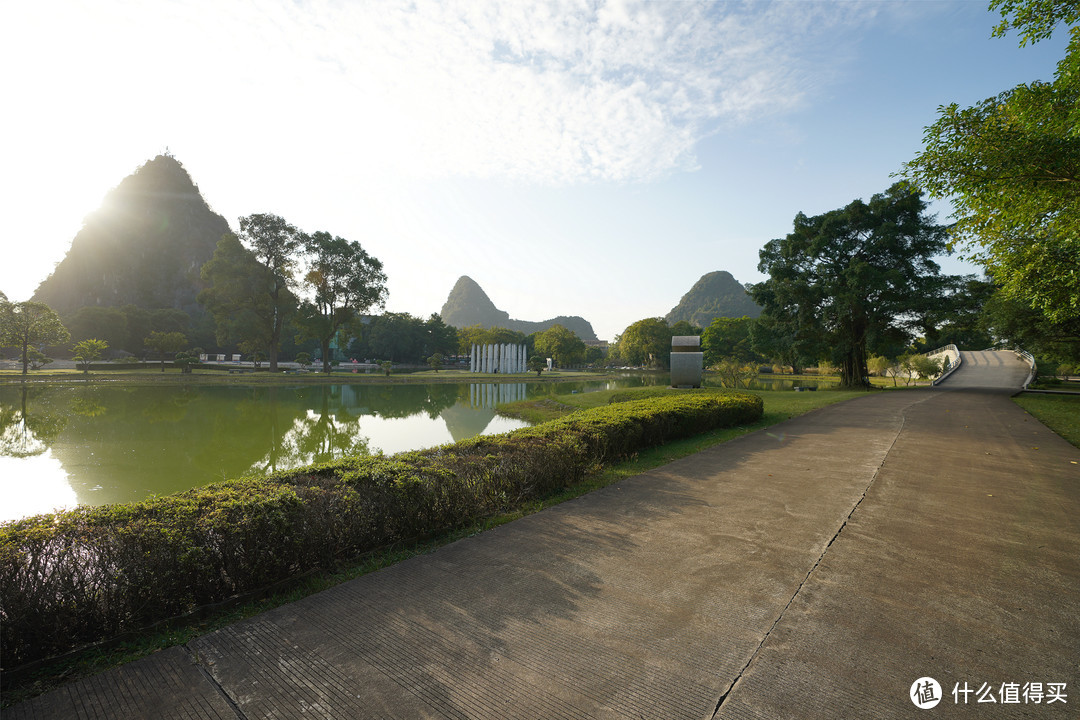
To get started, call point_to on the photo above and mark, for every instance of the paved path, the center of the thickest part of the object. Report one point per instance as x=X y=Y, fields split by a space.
x=814 y=570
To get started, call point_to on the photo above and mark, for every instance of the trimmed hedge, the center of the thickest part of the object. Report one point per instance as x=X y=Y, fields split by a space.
x=76 y=577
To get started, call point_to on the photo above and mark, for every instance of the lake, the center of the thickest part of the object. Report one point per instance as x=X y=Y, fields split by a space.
x=65 y=445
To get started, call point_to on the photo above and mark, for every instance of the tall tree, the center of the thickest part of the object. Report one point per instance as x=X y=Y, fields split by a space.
x=853 y=279
x=345 y=282
x=646 y=342
x=102 y=323
x=1011 y=166
x=165 y=343
x=275 y=244
x=244 y=297
x=561 y=345
x=728 y=338
x=441 y=338
x=24 y=325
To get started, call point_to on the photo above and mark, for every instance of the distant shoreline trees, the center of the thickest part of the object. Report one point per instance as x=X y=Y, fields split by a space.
x=253 y=290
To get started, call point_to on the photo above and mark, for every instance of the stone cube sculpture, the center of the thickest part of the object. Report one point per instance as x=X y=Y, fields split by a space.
x=687 y=361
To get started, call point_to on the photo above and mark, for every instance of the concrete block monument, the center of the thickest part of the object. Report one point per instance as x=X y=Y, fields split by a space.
x=687 y=361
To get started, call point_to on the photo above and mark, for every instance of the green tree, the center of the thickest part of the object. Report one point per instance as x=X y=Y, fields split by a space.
x=958 y=320
x=303 y=359
x=251 y=292
x=880 y=366
x=536 y=364
x=26 y=325
x=1011 y=166
x=926 y=367
x=683 y=327
x=734 y=374
x=436 y=361
x=561 y=345
x=728 y=338
x=247 y=303
x=480 y=335
x=103 y=323
x=87 y=351
x=1013 y=323
x=646 y=342
x=345 y=282
x=186 y=360
x=853 y=280
x=440 y=337
x=165 y=343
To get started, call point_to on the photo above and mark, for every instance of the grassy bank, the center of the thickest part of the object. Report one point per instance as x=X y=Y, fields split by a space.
x=1060 y=413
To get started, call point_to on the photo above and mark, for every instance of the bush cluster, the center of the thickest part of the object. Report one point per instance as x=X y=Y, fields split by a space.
x=75 y=577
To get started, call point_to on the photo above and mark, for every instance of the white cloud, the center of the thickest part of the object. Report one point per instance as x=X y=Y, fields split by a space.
x=547 y=92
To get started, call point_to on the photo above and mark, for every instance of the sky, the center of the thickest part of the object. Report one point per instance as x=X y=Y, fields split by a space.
x=573 y=158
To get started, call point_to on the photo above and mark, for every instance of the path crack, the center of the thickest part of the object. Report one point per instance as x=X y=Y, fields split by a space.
x=197 y=662
x=783 y=611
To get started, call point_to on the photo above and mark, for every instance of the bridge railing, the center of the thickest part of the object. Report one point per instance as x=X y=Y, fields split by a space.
x=952 y=354
x=1027 y=357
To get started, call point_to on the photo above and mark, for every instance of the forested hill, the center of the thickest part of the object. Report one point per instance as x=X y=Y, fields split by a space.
x=469 y=305
x=716 y=294
x=144 y=246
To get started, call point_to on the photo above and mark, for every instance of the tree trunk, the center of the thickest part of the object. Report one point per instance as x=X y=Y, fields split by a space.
x=853 y=371
x=275 y=341
x=325 y=345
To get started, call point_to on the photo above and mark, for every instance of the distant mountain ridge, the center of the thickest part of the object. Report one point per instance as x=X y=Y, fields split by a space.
x=145 y=246
x=715 y=294
x=469 y=305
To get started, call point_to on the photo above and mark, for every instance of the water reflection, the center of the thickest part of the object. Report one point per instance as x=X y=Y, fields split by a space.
x=97 y=444
x=24 y=434
x=488 y=395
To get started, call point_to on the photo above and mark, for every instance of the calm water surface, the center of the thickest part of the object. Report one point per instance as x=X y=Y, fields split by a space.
x=66 y=445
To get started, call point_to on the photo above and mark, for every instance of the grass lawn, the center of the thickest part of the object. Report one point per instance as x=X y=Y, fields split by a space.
x=779 y=406
x=1060 y=413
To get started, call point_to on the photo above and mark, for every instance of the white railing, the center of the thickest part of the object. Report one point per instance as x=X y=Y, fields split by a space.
x=1025 y=355
x=950 y=353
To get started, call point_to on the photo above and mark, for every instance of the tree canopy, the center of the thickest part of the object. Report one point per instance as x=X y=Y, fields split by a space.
x=402 y=337
x=26 y=325
x=164 y=343
x=852 y=280
x=561 y=345
x=728 y=338
x=1011 y=166
x=345 y=282
x=275 y=244
x=646 y=342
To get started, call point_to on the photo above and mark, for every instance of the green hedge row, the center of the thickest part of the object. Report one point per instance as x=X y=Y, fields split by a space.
x=76 y=577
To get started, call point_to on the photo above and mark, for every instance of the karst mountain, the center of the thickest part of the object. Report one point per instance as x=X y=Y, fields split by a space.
x=469 y=305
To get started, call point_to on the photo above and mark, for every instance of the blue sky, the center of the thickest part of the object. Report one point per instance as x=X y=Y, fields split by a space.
x=574 y=158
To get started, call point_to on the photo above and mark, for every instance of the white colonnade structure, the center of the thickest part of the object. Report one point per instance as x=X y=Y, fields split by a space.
x=505 y=358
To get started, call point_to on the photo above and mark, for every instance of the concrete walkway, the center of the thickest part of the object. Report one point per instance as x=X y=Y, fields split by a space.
x=813 y=570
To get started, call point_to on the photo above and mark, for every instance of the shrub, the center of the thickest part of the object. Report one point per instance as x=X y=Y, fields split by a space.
x=75 y=577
